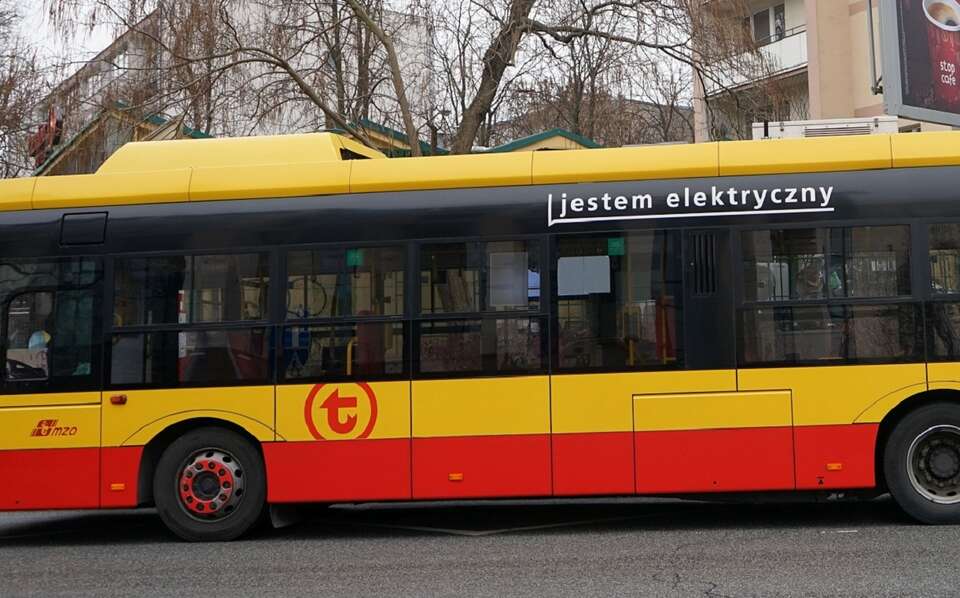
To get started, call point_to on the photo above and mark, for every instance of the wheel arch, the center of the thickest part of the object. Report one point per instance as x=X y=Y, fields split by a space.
x=901 y=410
x=153 y=449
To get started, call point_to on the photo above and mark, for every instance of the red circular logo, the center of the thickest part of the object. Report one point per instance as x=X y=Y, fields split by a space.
x=341 y=411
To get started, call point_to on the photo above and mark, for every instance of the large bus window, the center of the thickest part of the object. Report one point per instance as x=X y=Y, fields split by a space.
x=52 y=331
x=480 y=277
x=945 y=258
x=826 y=334
x=357 y=281
x=784 y=265
x=619 y=301
x=366 y=351
x=171 y=358
x=482 y=346
x=190 y=289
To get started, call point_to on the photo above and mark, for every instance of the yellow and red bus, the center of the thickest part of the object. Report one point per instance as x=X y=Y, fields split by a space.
x=214 y=326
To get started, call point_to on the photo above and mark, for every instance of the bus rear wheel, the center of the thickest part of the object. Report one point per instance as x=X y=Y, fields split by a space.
x=209 y=485
x=922 y=464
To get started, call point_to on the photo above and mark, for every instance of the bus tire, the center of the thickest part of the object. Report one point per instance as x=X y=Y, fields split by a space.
x=921 y=462
x=209 y=485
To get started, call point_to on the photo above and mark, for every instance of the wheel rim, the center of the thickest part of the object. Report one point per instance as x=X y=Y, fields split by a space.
x=210 y=484
x=933 y=464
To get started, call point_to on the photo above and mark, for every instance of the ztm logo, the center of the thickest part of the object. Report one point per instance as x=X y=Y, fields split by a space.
x=48 y=427
x=340 y=411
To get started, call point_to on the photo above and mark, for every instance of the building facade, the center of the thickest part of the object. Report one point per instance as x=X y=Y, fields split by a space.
x=816 y=65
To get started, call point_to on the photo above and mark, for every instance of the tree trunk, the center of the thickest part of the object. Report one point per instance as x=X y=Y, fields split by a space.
x=495 y=62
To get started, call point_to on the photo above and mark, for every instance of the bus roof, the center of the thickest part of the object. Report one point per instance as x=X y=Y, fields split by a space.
x=327 y=164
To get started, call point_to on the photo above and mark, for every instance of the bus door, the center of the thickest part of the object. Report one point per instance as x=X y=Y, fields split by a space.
x=705 y=436
x=49 y=395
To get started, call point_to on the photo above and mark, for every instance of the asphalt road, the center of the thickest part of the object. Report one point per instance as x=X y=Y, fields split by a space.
x=592 y=548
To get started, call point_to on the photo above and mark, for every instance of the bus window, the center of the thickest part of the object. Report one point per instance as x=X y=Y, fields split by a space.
x=619 y=300
x=29 y=324
x=500 y=276
x=836 y=333
x=365 y=350
x=945 y=259
x=190 y=289
x=482 y=346
x=51 y=332
x=870 y=261
x=344 y=282
x=784 y=265
x=171 y=358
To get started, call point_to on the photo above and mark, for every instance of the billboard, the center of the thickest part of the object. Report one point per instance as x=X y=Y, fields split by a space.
x=921 y=59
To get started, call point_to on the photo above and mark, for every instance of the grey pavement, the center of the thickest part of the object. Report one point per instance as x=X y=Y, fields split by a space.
x=547 y=548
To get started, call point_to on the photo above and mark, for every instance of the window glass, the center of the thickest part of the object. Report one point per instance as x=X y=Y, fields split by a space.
x=450 y=278
x=619 y=300
x=472 y=277
x=835 y=333
x=489 y=345
x=943 y=331
x=874 y=261
x=361 y=351
x=945 y=258
x=190 y=357
x=191 y=289
x=784 y=265
x=359 y=281
x=30 y=320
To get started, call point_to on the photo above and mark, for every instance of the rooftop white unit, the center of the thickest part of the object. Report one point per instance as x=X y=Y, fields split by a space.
x=825 y=128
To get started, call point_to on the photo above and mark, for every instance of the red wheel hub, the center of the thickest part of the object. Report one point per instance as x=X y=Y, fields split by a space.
x=210 y=484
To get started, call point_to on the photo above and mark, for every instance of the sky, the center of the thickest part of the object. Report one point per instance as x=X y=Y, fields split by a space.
x=37 y=28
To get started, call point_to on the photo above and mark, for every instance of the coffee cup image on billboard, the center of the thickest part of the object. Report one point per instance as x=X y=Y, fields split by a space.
x=943 y=44
x=943 y=14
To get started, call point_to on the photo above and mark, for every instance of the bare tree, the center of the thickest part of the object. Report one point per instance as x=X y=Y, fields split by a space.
x=21 y=82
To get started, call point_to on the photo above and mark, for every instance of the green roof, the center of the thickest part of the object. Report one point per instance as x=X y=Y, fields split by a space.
x=425 y=148
x=529 y=140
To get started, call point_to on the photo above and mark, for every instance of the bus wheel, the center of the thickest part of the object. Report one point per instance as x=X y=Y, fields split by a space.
x=210 y=485
x=922 y=464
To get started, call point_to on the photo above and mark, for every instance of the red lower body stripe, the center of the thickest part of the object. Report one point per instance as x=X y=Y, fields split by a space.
x=338 y=470
x=836 y=457
x=594 y=463
x=676 y=462
x=481 y=466
x=735 y=460
x=50 y=479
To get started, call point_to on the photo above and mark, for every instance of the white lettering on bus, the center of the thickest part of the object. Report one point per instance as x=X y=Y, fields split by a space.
x=688 y=203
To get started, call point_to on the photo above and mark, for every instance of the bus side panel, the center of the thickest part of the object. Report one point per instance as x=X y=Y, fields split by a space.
x=714 y=442
x=50 y=479
x=836 y=456
x=120 y=477
x=833 y=452
x=343 y=441
x=592 y=422
x=478 y=438
x=50 y=456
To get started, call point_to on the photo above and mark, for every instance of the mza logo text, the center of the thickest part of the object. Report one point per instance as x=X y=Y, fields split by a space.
x=49 y=427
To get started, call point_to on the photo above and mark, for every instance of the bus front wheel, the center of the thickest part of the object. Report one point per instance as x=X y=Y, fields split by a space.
x=209 y=485
x=922 y=464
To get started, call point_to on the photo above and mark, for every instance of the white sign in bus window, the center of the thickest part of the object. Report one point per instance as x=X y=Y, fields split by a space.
x=508 y=279
x=583 y=275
